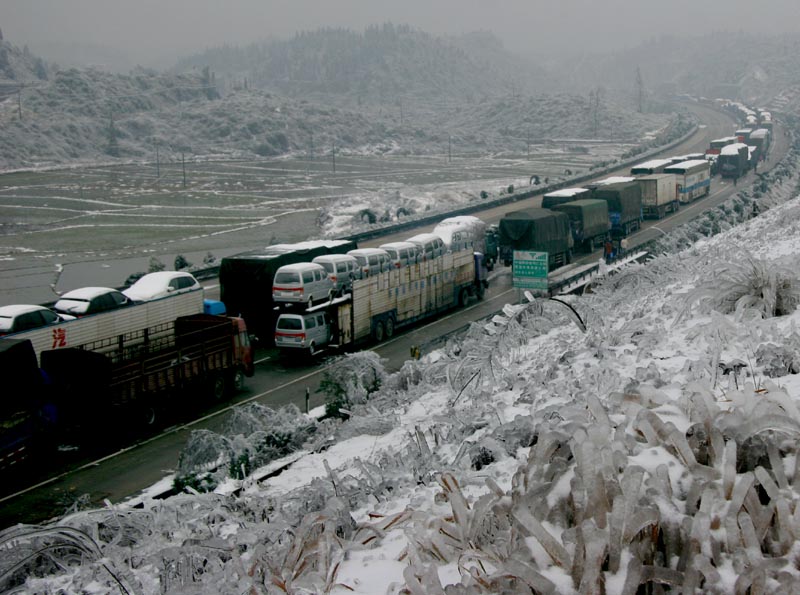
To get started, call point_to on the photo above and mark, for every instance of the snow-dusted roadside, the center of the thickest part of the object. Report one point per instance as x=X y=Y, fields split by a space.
x=659 y=445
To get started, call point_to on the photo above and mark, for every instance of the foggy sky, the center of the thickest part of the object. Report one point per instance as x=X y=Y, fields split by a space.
x=156 y=32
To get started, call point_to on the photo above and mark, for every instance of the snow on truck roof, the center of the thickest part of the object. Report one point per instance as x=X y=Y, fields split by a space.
x=732 y=149
x=567 y=192
x=615 y=180
x=688 y=164
x=652 y=163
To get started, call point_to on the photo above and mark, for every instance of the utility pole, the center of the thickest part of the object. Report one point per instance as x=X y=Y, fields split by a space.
x=183 y=163
x=333 y=157
x=640 y=89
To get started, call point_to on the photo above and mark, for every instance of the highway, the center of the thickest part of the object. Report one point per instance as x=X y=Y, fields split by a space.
x=121 y=474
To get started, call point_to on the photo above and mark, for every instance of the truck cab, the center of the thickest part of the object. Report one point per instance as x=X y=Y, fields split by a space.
x=307 y=331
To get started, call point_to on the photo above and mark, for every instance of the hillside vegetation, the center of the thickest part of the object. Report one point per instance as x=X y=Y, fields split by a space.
x=387 y=90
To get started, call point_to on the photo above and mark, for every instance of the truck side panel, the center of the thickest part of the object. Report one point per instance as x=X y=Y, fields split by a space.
x=409 y=293
x=109 y=326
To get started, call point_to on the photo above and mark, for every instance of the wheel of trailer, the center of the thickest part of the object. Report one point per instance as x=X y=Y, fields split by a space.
x=149 y=415
x=238 y=380
x=217 y=387
x=463 y=296
x=379 y=331
x=389 y=327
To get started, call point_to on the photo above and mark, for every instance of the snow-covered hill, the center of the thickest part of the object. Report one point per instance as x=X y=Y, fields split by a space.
x=646 y=433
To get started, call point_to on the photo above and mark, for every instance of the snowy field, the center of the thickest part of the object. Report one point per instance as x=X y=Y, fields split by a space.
x=648 y=435
x=105 y=214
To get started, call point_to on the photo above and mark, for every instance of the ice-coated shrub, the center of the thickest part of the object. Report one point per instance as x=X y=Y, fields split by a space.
x=350 y=380
x=749 y=285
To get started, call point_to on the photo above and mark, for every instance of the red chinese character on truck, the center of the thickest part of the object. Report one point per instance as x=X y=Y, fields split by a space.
x=59 y=338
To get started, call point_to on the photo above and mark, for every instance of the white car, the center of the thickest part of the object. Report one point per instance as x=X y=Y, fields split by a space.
x=161 y=284
x=90 y=300
x=18 y=318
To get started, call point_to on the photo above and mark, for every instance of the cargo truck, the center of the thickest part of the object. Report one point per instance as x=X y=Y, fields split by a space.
x=380 y=304
x=659 y=195
x=95 y=392
x=648 y=168
x=760 y=139
x=559 y=197
x=693 y=179
x=246 y=279
x=538 y=230
x=124 y=323
x=588 y=221
x=624 y=206
x=734 y=160
x=716 y=145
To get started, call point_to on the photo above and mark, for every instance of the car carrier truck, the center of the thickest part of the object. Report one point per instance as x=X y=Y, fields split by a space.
x=380 y=304
x=246 y=280
x=124 y=323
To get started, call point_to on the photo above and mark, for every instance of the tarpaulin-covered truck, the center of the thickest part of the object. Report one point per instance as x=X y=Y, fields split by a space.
x=588 y=220
x=539 y=230
x=379 y=304
x=734 y=160
x=559 y=197
x=659 y=195
x=246 y=280
x=624 y=206
x=693 y=178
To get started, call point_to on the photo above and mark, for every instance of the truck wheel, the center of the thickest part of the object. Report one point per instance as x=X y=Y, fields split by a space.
x=481 y=290
x=312 y=350
x=463 y=296
x=238 y=380
x=379 y=331
x=389 y=327
x=217 y=387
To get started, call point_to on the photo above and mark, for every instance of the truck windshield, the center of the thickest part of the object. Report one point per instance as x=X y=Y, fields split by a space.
x=290 y=324
x=287 y=278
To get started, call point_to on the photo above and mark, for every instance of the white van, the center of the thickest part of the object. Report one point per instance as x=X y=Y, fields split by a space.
x=432 y=245
x=303 y=282
x=402 y=254
x=463 y=232
x=308 y=331
x=371 y=260
x=341 y=270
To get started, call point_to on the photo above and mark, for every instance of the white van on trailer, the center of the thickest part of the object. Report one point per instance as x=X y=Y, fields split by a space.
x=381 y=303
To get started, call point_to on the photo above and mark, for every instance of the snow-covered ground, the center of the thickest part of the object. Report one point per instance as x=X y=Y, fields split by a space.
x=647 y=433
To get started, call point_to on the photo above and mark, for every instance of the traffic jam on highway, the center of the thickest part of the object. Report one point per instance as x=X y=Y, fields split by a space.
x=99 y=354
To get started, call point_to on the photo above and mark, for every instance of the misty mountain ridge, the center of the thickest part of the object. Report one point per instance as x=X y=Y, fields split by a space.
x=89 y=115
x=383 y=63
x=741 y=66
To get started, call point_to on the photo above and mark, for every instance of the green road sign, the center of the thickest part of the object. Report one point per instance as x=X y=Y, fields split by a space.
x=529 y=270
